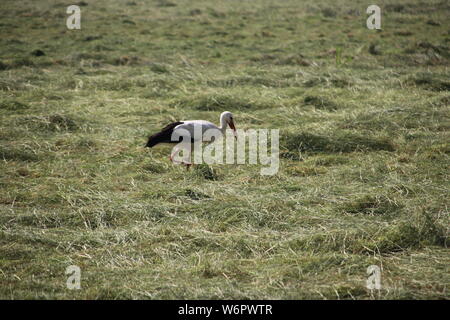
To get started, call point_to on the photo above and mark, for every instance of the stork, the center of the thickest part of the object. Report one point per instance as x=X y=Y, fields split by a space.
x=179 y=131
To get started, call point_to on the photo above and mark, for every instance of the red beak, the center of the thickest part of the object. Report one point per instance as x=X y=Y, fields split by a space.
x=231 y=124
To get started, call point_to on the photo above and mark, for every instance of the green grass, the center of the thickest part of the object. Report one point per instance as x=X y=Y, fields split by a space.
x=364 y=168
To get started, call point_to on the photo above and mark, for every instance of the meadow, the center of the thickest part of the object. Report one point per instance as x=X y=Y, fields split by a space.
x=364 y=150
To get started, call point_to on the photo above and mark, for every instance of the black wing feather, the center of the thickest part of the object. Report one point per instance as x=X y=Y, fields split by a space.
x=164 y=136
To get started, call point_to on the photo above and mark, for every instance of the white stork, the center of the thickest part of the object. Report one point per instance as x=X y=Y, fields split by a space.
x=179 y=131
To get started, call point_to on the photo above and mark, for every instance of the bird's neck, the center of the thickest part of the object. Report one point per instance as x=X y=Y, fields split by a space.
x=223 y=124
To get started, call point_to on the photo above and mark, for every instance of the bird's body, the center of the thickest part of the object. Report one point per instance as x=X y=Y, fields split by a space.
x=189 y=131
x=189 y=128
x=176 y=131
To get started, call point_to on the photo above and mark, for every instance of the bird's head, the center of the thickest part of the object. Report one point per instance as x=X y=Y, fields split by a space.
x=227 y=117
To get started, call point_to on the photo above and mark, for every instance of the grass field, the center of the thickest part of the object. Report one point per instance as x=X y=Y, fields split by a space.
x=364 y=154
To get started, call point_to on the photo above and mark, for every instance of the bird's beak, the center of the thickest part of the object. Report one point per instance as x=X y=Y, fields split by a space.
x=231 y=124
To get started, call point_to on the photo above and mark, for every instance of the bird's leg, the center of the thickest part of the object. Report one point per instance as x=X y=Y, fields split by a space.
x=172 y=155
x=186 y=156
x=188 y=166
x=187 y=159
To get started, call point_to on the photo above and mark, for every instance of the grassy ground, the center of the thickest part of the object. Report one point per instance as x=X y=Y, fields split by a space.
x=364 y=119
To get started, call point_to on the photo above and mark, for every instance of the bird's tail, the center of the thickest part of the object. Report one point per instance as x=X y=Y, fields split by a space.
x=164 y=136
x=151 y=142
